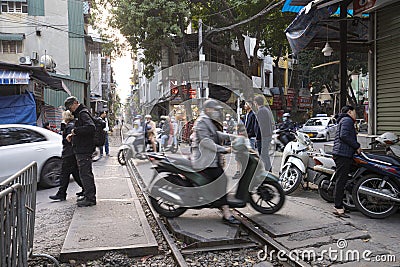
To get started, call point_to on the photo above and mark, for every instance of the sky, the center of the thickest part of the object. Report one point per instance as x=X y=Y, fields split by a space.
x=122 y=67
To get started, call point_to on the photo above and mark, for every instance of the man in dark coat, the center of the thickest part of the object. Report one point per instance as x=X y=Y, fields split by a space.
x=250 y=122
x=264 y=130
x=344 y=147
x=83 y=146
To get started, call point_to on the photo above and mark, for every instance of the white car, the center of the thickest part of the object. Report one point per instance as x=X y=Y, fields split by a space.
x=320 y=128
x=21 y=144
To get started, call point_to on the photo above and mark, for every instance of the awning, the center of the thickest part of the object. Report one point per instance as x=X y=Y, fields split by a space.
x=21 y=72
x=14 y=77
x=12 y=36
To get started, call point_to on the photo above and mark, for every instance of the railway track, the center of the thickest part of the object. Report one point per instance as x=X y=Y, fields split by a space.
x=258 y=238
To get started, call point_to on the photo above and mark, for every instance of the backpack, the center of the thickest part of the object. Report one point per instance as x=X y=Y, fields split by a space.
x=99 y=138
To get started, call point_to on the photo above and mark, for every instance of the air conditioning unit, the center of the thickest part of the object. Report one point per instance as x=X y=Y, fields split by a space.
x=25 y=60
x=35 y=56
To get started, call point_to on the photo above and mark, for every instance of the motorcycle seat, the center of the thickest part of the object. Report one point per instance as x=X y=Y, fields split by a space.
x=385 y=158
x=180 y=161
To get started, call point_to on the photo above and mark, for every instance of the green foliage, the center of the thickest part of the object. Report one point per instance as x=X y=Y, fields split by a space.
x=155 y=24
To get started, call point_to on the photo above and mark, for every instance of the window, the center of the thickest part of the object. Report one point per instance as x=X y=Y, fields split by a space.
x=14 y=7
x=14 y=136
x=10 y=47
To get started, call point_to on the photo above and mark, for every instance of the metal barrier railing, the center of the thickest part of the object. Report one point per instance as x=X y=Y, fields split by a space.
x=27 y=180
x=13 y=243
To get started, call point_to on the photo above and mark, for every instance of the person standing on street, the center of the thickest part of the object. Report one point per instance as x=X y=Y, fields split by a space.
x=103 y=116
x=82 y=138
x=250 y=122
x=264 y=131
x=69 y=165
x=344 y=147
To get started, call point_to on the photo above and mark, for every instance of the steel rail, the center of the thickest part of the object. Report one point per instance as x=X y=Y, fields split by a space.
x=176 y=253
x=278 y=250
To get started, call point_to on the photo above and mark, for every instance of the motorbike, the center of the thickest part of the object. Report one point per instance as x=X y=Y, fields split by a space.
x=177 y=187
x=325 y=178
x=173 y=148
x=376 y=193
x=132 y=147
x=277 y=143
x=295 y=163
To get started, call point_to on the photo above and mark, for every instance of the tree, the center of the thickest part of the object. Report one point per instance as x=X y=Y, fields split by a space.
x=154 y=25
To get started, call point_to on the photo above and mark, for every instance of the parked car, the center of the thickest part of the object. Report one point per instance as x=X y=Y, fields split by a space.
x=321 y=127
x=21 y=144
x=361 y=125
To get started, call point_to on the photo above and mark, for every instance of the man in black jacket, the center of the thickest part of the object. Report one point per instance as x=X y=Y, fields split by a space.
x=264 y=130
x=83 y=145
x=250 y=123
x=344 y=147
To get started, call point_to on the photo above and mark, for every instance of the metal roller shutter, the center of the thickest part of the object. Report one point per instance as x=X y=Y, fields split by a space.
x=388 y=69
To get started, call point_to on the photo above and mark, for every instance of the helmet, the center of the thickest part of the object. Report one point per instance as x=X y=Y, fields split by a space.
x=147 y=116
x=387 y=138
x=212 y=103
x=286 y=114
x=138 y=117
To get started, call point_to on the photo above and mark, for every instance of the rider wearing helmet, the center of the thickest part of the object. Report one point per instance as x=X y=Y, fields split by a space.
x=207 y=150
x=286 y=126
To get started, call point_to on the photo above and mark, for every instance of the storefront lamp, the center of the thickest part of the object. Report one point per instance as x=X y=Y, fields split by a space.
x=327 y=50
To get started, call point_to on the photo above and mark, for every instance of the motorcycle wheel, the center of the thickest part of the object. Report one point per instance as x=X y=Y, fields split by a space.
x=163 y=206
x=290 y=179
x=371 y=206
x=269 y=197
x=174 y=149
x=166 y=209
x=121 y=157
x=324 y=193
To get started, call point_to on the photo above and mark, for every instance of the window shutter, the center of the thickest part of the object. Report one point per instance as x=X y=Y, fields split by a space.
x=36 y=7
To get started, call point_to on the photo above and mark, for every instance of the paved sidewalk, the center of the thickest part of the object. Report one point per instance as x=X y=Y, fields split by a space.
x=117 y=222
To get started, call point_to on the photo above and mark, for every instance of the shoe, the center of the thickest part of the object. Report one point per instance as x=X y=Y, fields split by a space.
x=58 y=197
x=231 y=220
x=80 y=198
x=80 y=194
x=340 y=213
x=86 y=203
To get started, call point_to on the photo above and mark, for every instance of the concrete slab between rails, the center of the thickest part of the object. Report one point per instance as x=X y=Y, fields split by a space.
x=111 y=225
x=204 y=225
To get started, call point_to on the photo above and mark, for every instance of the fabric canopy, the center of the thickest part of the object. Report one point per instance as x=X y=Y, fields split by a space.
x=305 y=26
x=19 y=109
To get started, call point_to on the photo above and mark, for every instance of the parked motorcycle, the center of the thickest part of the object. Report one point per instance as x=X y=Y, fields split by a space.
x=295 y=163
x=132 y=147
x=176 y=186
x=376 y=193
x=325 y=178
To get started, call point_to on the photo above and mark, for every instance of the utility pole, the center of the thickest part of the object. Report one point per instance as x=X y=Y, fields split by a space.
x=201 y=59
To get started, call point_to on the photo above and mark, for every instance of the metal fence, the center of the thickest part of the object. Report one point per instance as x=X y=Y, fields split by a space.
x=17 y=215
